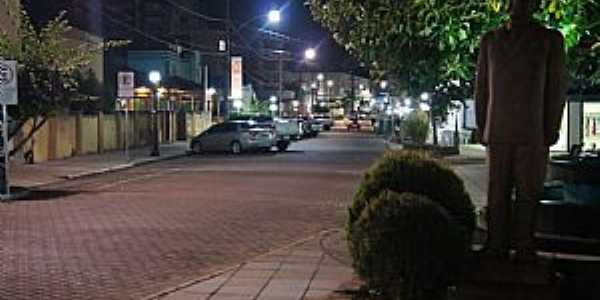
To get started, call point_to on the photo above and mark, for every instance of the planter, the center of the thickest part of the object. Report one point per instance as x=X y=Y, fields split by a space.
x=438 y=151
x=581 y=179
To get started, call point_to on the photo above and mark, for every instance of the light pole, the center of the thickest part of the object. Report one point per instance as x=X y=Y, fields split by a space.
x=310 y=54
x=155 y=78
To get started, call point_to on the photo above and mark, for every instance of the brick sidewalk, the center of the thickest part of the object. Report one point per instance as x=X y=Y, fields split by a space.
x=31 y=175
x=312 y=269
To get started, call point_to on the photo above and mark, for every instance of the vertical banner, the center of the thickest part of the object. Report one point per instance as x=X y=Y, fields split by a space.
x=236 y=77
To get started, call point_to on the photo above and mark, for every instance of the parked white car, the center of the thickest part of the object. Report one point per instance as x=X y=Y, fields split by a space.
x=234 y=137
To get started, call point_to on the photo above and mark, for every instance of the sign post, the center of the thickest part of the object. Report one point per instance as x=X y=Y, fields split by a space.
x=126 y=92
x=8 y=96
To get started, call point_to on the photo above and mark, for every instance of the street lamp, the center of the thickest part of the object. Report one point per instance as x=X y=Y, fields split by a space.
x=274 y=16
x=425 y=96
x=155 y=78
x=383 y=84
x=310 y=54
x=320 y=77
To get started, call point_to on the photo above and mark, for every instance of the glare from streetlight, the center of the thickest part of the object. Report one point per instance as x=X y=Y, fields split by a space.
x=238 y=104
x=273 y=99
x=274 y=16
x=313 y=85
x=211 y=92
x=154 y=77
x=425 y=96
x=383 y=84
x=330 y=83
x=320 y=77
x=408 y=102
x=310 y=54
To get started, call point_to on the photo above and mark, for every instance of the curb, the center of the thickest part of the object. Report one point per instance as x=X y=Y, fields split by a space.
x=14 y=196
x=124 y=166
x=168 y=291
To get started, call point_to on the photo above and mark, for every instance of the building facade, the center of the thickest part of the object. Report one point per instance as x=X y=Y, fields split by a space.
x=9 y=17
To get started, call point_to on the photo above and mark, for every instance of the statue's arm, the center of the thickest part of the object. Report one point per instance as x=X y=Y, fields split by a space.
x=482 y=88
x=556 y=88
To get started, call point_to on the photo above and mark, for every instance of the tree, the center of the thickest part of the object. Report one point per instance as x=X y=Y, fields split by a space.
x=48 y=69
x=431 y=45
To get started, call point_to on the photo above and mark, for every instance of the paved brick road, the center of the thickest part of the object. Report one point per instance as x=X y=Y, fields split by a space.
x=130 y=234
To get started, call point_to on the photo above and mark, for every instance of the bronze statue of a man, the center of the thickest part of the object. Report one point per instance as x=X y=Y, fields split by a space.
x=520 y=96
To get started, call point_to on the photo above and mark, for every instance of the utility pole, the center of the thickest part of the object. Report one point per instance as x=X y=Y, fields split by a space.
x=280 y=93
x=228 y=59
x=206 y=97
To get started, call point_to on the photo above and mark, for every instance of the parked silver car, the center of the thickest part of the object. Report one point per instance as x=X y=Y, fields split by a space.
x=234 y=137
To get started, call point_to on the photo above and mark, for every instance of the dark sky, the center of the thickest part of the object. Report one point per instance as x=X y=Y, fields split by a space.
x=296 y=22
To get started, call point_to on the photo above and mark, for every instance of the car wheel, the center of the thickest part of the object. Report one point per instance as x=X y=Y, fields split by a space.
x=236 y=147
x=282 y=146
x=197 y=148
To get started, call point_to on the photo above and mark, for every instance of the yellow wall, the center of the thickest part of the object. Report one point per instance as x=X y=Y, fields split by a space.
x=89 y=134
x=70 y=135
x=110 y=133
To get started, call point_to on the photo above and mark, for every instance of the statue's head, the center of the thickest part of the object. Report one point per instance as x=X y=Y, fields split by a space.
x=522 y=10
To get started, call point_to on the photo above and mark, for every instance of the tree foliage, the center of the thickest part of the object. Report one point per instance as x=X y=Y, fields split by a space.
x=49 y=68
x=431 y=45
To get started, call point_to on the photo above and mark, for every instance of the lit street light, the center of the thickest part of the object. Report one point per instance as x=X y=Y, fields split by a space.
x=330 y=83
x=155 y=78
x=383 y=84
x=274 y=16
x=425 y=96
x=320 y=77
x=310 y=54
x=425 y=107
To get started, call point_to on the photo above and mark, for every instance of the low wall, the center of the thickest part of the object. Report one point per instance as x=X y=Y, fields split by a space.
x=69 y=135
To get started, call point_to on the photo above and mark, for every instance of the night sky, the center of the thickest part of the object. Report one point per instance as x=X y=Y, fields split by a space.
x=296 y=22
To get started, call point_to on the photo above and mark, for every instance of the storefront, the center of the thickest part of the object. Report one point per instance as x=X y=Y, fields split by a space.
x=580 y=124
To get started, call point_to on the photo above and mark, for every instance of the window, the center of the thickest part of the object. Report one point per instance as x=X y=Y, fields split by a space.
x=230 y=127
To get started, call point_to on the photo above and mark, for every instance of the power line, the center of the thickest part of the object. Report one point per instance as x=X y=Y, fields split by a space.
x=190 y=46
x=195 y=13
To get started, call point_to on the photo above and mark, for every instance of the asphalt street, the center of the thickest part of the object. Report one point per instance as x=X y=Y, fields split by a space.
x=129 y=234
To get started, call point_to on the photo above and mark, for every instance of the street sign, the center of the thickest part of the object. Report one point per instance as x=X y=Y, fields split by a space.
x=126 y=84
x=8 y=82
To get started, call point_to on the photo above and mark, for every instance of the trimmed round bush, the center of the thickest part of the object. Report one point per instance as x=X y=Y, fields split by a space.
x=417 y=173
x=407 y=247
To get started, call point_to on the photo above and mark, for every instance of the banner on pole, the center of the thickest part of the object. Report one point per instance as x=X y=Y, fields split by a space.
x=236 y=77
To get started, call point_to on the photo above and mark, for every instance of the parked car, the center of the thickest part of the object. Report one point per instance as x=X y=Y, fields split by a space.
x=325 y=120
x=311 y=128
x=354 y=124
x=289 y=127
x=234 y=137
x=282 y=131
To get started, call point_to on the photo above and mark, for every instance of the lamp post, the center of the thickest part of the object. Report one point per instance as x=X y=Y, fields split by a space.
x=155 y=79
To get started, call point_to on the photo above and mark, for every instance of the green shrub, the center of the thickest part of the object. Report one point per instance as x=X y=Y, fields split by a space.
x=407 y=247
x=417 y=173
x=416 y=126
